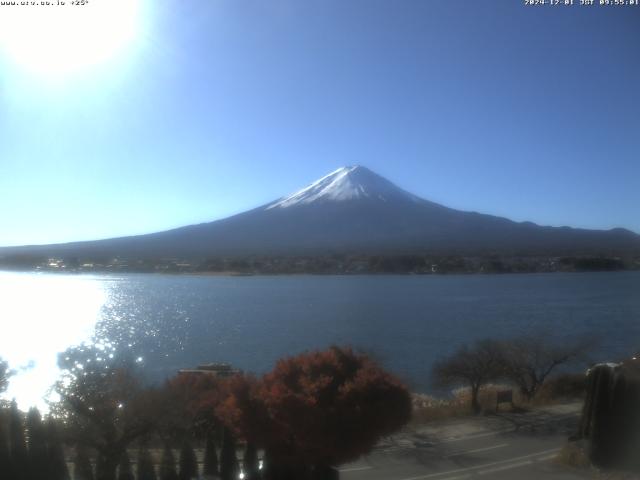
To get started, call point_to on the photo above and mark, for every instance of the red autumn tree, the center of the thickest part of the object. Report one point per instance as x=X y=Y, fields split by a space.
x=318 y=409
x=190 y=400
x=243 y=409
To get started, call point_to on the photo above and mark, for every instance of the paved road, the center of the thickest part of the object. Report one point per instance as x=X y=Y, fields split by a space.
x=498 y=447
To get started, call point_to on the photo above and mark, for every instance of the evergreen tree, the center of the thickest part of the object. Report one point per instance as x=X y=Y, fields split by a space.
x=168 y=465
x=83 y=469
x=188 y=462
x=250 y=462
x=100 y=466
x=5 y=455
x=125 y=472
x=37 y=453
x=228 y=461
x=146 y=470
x=105 y=467
x=269 y=469
x=210 y=456
x=17 y=445
x=55 y=451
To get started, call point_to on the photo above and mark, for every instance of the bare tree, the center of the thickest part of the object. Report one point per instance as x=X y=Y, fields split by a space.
x=530 y=359
x=471 y=366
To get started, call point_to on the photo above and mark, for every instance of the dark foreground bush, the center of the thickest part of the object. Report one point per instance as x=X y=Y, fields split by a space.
x=611 y=418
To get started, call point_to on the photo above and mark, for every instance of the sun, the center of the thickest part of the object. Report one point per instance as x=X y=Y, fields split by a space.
x=59 y=37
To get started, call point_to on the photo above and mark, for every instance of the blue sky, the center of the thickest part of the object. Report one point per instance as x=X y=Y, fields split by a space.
x=216 y=106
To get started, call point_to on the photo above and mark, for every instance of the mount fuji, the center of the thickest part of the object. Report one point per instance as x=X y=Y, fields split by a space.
x=353 y=210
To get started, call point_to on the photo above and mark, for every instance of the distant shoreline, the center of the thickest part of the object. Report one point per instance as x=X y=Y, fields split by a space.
x=232 y=273
x=328 y=264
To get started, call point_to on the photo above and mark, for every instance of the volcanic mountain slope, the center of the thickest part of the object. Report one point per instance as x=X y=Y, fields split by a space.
x=354 y=210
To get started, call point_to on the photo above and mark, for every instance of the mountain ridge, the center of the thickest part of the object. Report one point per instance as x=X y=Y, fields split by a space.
x=355 y=210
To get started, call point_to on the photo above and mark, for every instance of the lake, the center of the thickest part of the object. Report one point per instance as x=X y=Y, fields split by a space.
x=407 y=322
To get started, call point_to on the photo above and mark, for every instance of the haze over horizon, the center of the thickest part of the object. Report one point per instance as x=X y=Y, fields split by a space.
x=209 y=109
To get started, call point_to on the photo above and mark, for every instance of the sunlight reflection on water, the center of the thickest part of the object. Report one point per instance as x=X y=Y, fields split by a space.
x=43 y=315
x=168 y=322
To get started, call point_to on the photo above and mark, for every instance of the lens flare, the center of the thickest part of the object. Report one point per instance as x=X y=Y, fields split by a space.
x=58 y=37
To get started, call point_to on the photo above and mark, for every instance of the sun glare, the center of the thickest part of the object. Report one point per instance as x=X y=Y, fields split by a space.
x=44 y=315
x=67 y=36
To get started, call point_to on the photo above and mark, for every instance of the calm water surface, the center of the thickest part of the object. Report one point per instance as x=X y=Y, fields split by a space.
x=406 y=321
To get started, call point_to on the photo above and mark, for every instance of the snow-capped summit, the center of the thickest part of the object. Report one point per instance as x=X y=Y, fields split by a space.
x=345 y=183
